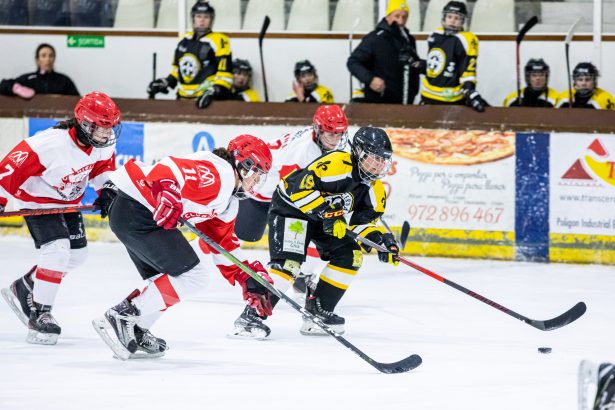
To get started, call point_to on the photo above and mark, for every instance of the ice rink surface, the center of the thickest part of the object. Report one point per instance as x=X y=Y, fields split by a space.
x=474 y=357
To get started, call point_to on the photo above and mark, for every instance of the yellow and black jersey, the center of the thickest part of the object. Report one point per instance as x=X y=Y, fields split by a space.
x=197 y=60
x=451 y=62
x=248 y=95
x=547 y=98
x=331 y=180
x=599 y=100
x=321 y=94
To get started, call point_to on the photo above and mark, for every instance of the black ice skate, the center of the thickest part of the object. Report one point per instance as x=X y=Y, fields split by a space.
x=43 y=328
x=309 y=328
x=249 y=325
x=148 y=345
x=122 y=319
x=19 y=296
x=596 y=386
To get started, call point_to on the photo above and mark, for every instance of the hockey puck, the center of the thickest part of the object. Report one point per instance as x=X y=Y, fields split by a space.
x=544 y=350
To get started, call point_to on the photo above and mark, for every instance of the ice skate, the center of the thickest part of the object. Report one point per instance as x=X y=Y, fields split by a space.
x=43 y=328
x=249 y=325
x=333 y=321
x=122 y=319
x=19 y=296
x=148 y=345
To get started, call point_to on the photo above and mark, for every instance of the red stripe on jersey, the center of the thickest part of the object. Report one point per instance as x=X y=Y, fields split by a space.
x=313 y=252
x=48 y=275
x=137 y=177
x=287 y=169
x=167 y=291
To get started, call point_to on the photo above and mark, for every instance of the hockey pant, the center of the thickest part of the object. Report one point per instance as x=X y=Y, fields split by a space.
x=62 y=245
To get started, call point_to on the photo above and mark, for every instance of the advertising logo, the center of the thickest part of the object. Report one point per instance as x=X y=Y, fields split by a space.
x=203 y=141
x=596 y=165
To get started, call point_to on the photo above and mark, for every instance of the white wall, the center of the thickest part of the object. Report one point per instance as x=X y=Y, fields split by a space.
x=123 y=67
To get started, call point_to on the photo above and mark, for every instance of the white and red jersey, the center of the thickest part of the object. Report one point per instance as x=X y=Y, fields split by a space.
x=51 y=169
x=206 y=184
x=293 y=151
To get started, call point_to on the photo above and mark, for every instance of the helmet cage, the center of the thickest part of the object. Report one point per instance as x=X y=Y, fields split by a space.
x=98 y=136
x=247 y=170
x=318 y=130
x=372 y=165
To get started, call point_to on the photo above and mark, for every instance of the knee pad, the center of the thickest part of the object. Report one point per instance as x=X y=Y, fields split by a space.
x=348 y=257
x=284 y=272
x=77 y=258
x=55 y=255
x=191 y=282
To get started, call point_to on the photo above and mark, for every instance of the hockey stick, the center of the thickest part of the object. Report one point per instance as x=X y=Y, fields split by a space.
x=261 y=36
x=401 y=366
x=527 y=27
x=564 y=319
x=49 y=211
x=403 y=237
x=350 y=36
x=567 y=45
x=152 y=95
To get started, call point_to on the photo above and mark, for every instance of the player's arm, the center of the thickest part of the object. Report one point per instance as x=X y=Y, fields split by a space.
x=361 y=58
x=223 y=60
x=163 y=85
x=15 y=168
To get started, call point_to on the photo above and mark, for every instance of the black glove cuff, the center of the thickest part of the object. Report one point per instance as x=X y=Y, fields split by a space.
x=253 y=286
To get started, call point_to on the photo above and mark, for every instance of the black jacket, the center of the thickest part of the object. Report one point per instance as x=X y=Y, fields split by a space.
x=378 y=55
x=48 y=83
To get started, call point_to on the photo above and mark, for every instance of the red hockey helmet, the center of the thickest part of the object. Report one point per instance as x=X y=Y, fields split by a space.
x=253 y=161
x=330 y=119
x=99 y=119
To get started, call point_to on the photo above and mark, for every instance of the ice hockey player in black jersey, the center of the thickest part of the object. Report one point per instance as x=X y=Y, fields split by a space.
x=242 y=82
x=537 y=93
x=202 y=62
x=596 y=386
x=306 y=87
x=451 y=62
x=311 y=205
x=585 y=90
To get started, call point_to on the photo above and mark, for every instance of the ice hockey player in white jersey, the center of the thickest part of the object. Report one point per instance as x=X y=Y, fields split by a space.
x=202 y=188
x=51 y=170
x=292 y=151
x=596 y=386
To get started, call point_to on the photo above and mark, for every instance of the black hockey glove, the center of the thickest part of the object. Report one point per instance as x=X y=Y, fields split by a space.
x=105 y=198
x=333 y=222
x=475 y=101
x=388 y=241
x=212 y=93
x=160 y=85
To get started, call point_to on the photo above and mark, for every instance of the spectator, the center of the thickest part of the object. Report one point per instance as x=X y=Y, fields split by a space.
x=585 y=90
x=202 y=63
x=242 y=82
x=43 y=81
x=537 y=93
x=379 y=60
x=306 y=87
x=451 y=62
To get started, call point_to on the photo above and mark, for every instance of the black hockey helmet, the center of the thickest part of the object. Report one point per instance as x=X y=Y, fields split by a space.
x=240 y=65
x=455 y=7
x=536 y=65
x=304 y=66
x=202 y=7
x=585 y=69
x=372 y=153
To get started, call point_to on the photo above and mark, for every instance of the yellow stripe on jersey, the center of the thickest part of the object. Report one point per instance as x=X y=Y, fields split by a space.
x=332 y=167
x=447 y=94
x=339 y=277
x=318 y=201
x=377 y=196
x=251 y=95
x=300 y=195
x=281 y=274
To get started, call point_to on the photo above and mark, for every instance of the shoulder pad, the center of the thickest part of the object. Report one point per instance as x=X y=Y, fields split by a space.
x=334 y=164
x=324 y=94
x=469 y=42
x=511 y=98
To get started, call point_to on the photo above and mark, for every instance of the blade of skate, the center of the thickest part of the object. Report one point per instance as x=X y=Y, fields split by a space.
x=10 y=299
x=102 y=327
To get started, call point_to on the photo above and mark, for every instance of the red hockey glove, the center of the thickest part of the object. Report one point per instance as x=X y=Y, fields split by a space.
x=3 y=202
x=169 y=207
x=257 y=296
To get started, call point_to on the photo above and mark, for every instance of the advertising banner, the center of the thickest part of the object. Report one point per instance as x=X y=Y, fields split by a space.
x=582 y=184
x=453 y=179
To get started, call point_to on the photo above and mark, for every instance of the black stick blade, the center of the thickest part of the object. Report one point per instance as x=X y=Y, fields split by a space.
x=405 y=232
x=564 y=319
x=264 y=28
x=527 y=27
x=402 y=366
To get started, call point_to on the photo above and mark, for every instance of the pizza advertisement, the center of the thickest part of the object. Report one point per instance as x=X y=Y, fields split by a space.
x=446 y=179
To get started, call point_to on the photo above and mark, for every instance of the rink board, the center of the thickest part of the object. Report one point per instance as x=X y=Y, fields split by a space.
x=552 y=200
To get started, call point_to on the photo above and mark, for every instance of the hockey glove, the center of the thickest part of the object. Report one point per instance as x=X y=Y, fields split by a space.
x=386 y=240
x=333 y=222
x=169 y=207
x=105 y=198
x=475 y=101
x=3 y=202
x=256 y=295
x=160 y=85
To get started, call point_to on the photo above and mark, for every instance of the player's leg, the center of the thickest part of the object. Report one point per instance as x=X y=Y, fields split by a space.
x=251 y=219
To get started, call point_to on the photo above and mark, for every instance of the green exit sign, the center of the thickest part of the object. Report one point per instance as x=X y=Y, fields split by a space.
x=85 y=41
